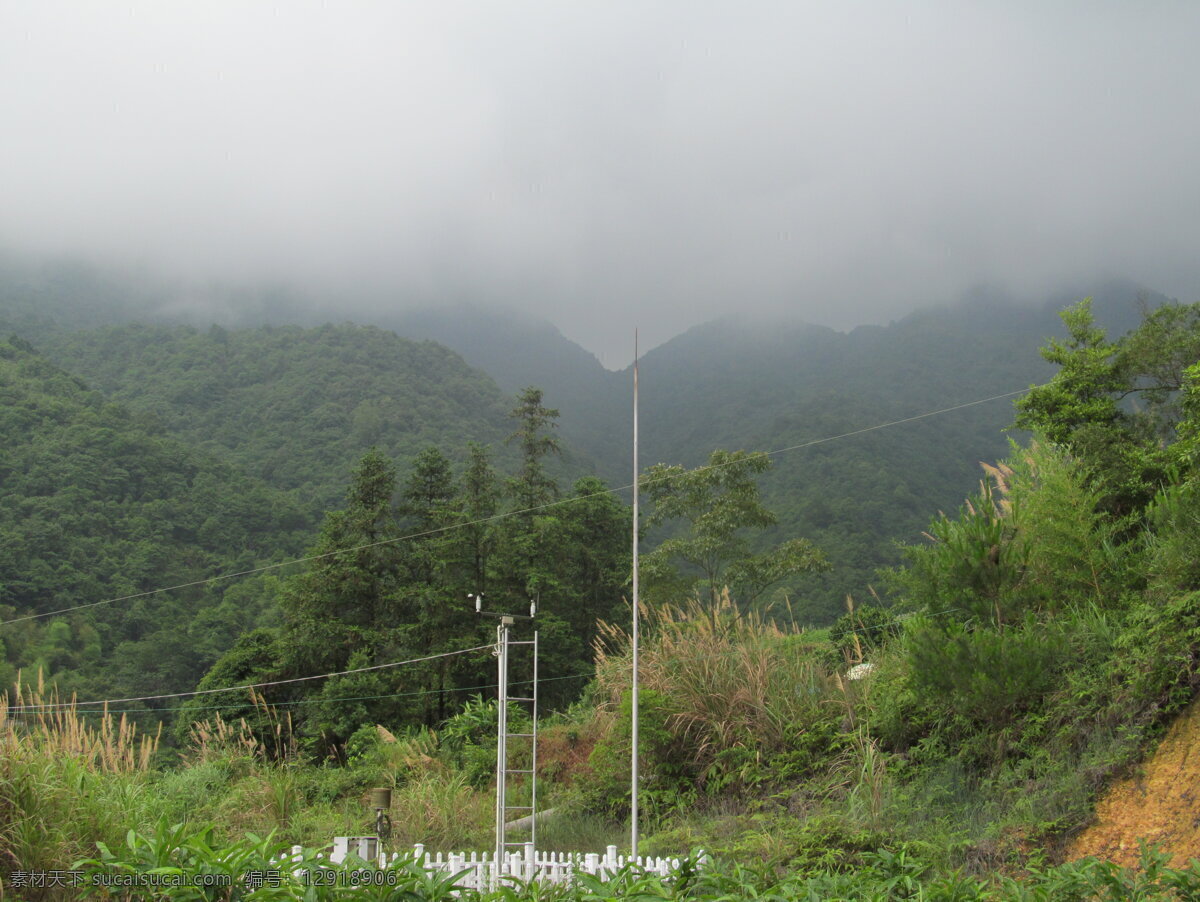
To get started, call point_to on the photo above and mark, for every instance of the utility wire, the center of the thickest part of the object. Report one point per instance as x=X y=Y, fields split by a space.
x=31 y=709
x=483 y=520
x=194 y=692
x=915 y=417
x=316 y=701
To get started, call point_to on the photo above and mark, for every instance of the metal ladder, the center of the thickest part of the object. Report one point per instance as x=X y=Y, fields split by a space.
x=504 y=765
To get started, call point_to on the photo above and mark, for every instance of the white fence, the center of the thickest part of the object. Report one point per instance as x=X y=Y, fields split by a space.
x=478 y=870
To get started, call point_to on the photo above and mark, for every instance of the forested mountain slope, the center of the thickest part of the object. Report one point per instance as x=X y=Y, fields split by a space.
x=294 y=407
x=779 y=386
x=519 y=350
x=773 y=384
x=98 y=502
x=298 y=407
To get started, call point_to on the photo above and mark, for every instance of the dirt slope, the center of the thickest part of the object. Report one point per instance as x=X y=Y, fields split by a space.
x=1160 y=802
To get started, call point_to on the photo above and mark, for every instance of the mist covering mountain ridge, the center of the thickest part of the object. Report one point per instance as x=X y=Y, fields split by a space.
x=766 y=382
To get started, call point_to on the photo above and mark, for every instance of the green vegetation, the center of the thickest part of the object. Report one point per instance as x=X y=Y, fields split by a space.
x=390 y=582
x=232 y=814
x=1038 y=642
x=283 y=403
x=882 y=876
x=293 y=407
x=105 y=505
x=97 y=502
x=720 y=503
x=788 y=385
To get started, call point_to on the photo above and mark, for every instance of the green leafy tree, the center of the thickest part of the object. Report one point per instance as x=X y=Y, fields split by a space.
x=428 y=490
x=1174 y=514
x=527 y=562
x=598 y=559
x=720 y=506
x=1089 y=406
x=426 y=504
x=346 y=601
x=572 y=558
x=1154 y=359
x=434 y=588
x=1081 y=398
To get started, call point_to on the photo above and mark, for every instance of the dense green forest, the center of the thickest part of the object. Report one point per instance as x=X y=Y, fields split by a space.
x=293 y=407
x=298 y=407
x=391 y=581
x=101 y=505
x=100 y=502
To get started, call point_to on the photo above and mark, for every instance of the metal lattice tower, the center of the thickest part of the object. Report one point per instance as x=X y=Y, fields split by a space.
x=506 y=772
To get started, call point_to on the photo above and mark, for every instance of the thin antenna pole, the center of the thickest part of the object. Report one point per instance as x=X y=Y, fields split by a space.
x=501 y=737
x=633 y=844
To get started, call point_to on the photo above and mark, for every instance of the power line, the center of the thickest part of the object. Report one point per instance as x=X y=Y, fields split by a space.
x=317 y=701
x=919 y=416
x=194 y=692
x=31 y=709
x=484 y=520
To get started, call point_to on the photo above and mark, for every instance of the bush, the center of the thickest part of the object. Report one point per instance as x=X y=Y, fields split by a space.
x=985 y=675
x=861 y=631
x=666 y=782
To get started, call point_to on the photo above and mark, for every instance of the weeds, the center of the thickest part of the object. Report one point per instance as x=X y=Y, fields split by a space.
x=217 y=738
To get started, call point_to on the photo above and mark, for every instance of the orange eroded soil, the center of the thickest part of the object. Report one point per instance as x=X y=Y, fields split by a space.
x=1160 y=803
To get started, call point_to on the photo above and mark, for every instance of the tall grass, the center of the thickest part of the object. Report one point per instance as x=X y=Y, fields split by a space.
x=55 y=726
x=217 y=738
x=64 y=783
x=730 y=679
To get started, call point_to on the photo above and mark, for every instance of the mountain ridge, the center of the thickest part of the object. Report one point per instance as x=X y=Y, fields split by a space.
x=764 y=383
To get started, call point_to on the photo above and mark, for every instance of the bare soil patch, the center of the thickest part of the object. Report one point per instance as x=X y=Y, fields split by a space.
x=1160 y=803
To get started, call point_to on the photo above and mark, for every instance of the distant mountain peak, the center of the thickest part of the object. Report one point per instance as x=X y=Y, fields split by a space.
x=515 y=348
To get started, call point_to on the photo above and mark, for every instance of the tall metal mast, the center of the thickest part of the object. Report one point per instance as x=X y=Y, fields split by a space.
x=633 y=815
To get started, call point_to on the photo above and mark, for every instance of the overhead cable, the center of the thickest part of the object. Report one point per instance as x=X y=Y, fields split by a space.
x=194 y=692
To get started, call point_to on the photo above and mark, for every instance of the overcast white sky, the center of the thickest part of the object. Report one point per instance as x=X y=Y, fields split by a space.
x=610 y=165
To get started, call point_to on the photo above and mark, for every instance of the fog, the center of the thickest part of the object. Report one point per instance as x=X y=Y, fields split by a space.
x=609 y=166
